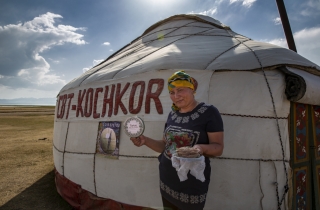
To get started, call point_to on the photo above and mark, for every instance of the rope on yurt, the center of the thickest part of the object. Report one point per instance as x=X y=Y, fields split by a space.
x=286 y=187
x=194 y=34
x=264 y=117
x=276 y=183
x=64 y=148
x=260 y=186
x=146 y=34
x=142 y=37
x=94 y=167
x=224 y=52
x=147 y=43
x=163 y=47
x=125 y=55
x=143 y=47
x=94 y=173
x=152 y=40
x=149 y=156
x=80 y=153
x=250 y=159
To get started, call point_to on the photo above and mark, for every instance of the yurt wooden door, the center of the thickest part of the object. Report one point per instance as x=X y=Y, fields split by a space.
x=305 y=155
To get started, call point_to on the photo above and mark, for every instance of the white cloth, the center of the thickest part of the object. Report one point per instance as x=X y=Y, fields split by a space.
x=183 y=165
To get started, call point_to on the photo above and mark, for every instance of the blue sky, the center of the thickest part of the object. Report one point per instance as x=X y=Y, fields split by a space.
x=45 y=44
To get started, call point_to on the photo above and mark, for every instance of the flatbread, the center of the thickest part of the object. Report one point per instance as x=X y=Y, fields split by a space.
x=187 y=152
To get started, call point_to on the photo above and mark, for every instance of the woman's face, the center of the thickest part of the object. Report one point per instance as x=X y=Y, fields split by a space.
x=182 y=97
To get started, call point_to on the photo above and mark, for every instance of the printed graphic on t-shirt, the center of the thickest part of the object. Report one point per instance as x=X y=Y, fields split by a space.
x=177 y=137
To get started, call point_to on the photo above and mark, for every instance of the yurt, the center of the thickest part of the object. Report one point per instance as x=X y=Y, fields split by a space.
x=268 y=97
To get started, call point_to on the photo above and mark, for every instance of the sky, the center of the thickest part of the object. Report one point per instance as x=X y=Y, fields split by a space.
x=46 y=44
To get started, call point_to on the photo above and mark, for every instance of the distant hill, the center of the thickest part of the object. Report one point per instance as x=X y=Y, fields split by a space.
x=28 y=101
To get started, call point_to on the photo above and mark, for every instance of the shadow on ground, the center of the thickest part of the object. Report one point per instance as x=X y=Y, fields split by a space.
x=40 y=195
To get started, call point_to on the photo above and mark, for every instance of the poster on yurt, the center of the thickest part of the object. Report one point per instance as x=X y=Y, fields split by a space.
x=108 y=139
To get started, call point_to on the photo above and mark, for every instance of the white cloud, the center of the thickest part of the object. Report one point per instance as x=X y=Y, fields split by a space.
x=209 y=12
x=312 y=8
x=308 y=38
x=111 y=50
x=277 y=21
x=94 y=63
x=306 y=12
x=106 y=43
x=246 y=3
x=54 y=61
x=21 y=62
x=278 y=42
x=86 y=69
x=218 y=6
x=314 y=4
x=307 y=43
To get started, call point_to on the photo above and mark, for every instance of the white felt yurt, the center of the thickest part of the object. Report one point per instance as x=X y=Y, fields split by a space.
x=253 y=84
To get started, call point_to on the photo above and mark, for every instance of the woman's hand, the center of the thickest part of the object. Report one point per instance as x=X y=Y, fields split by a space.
x=139 y=141
x=156 y=145
x=198 y=147
x=215 y=146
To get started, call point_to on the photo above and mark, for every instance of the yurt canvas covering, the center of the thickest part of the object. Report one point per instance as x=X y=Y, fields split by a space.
x=254 y=85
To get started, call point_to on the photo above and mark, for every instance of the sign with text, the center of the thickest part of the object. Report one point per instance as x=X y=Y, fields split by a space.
x=106 y=101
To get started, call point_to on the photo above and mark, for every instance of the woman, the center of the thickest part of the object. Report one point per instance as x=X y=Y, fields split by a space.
x=193 y=124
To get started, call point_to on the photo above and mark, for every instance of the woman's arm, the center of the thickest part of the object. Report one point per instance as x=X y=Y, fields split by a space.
x=156 y=145
x=215 y=146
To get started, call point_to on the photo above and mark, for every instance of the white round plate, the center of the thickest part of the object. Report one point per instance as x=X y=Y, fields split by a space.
x=134 y=126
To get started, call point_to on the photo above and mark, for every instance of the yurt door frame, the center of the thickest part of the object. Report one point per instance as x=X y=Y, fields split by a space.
x=305 y=155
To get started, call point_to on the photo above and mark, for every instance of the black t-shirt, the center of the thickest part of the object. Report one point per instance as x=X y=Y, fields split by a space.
x=187 y=129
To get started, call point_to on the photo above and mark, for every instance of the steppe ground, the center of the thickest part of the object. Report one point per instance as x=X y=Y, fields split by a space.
x=26 y=161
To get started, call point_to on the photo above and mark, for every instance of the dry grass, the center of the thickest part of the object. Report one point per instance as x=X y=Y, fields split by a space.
x=26 y=162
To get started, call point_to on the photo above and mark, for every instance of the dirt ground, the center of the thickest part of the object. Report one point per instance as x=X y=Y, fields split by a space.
x=26 y=160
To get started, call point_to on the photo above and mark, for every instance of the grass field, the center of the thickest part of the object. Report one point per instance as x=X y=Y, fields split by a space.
x=26 y=161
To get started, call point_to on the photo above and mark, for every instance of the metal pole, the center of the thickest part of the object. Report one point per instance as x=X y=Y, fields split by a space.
x=286 y=25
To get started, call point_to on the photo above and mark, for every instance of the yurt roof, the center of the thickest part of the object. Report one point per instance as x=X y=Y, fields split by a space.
x=192 y=42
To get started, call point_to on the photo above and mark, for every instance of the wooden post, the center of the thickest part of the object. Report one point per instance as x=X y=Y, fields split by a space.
x=286 y=25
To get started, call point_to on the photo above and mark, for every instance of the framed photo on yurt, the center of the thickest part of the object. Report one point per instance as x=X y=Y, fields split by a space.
x=108 y=139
